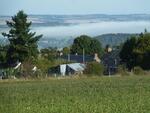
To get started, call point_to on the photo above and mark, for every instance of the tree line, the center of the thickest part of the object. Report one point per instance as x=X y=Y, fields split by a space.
x=136 y=52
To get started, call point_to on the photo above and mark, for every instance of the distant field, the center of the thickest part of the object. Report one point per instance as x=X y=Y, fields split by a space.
x=86 y=95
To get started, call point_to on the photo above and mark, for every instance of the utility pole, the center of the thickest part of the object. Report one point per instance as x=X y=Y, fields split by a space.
x=109 y=71
x=69 y=55
x=83 y=56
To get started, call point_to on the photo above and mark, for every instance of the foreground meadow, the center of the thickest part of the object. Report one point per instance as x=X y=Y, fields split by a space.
x=83 y=95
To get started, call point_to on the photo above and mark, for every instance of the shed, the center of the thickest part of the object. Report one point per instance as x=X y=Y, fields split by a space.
x=67 y=69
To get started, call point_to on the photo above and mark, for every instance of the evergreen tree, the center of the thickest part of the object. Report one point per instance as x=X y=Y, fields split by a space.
x=127 y=53
x=22 y=42
x=142 y=51
x=136 y=52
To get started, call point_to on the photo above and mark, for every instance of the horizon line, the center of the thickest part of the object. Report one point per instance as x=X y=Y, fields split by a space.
x=82 y=14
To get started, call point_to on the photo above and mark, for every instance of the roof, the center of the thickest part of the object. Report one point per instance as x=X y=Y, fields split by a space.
x=77 y=66
x=111 y=59
x=112 y=55
x=79 y=58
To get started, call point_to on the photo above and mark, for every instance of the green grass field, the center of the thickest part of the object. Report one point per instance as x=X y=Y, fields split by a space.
x=84 y=95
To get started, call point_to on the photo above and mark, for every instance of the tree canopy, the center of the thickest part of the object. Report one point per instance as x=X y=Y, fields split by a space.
x=49 y=53
x=142 y=51
x=86 y=43
x=22 y=42
x=127 y=53
x=136 y=52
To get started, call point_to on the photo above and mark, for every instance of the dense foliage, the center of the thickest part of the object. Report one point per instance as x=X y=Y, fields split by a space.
x=3 y=52
x=127 y=53
x=94 y=68
x=22 y=42
x=136 y=52
x=89 y=45
x=66 y=50
x=49 y=53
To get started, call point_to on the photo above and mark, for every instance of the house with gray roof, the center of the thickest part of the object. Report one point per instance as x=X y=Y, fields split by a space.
x=111 y=60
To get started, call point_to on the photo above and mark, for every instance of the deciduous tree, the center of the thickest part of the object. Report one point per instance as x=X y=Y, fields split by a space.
x=88 y=44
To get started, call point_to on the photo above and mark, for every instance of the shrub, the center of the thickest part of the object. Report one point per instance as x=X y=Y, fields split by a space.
x=122 y=70
x=138 y=71
x=94 y=68
x=43 y=64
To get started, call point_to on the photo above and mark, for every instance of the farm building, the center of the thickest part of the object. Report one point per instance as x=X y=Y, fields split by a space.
x=67 y=69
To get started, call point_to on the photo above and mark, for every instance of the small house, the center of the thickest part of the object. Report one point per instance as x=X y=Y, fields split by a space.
x=111 y=60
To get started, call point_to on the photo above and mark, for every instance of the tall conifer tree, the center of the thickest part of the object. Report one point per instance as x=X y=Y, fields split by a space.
x=22 y=42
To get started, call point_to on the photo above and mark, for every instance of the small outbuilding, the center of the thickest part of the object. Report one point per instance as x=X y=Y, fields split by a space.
x=67 y=69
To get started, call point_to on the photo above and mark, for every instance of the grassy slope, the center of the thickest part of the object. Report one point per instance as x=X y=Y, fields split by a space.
x=88 y=95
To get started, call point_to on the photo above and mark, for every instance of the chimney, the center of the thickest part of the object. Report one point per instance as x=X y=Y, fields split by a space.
x=96 y=58
x=109 y=49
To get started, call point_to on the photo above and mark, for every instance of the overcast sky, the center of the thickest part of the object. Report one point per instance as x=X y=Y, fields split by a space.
x=10 y=7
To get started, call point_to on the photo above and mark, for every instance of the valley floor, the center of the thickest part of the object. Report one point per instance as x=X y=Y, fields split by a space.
x=83 y=95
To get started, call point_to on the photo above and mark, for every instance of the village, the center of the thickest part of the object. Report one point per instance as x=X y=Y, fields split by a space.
x=21 y=57
x=74 y=56
x=76 y=64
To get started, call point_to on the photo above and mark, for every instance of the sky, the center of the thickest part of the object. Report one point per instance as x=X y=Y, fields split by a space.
x=10 y=7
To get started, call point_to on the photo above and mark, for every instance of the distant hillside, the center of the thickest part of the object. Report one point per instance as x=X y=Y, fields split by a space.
x=111 y=39
x=114 y=39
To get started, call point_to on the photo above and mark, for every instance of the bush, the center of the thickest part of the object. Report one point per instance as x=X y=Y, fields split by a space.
x=122 y=70
x=44 y=64
x=94 y=68
x=138 y=71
